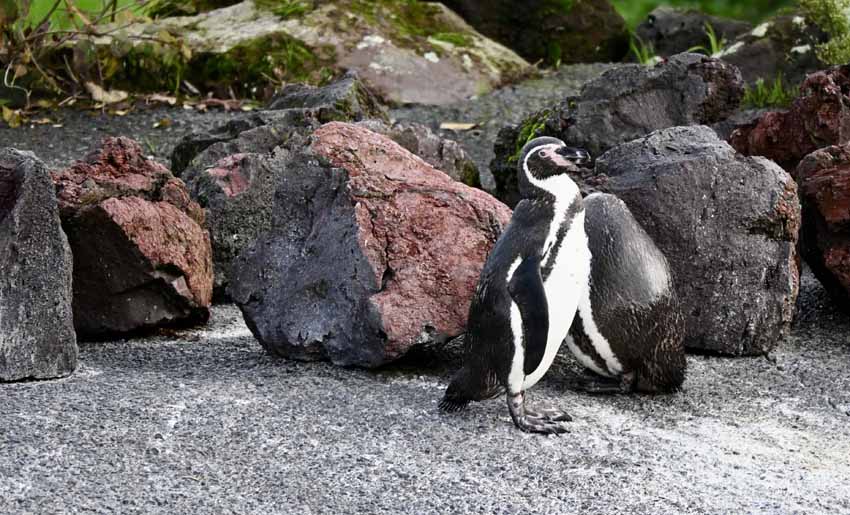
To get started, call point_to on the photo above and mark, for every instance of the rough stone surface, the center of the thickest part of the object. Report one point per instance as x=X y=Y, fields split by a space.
x=818 y=118
x=141 y=255
x=344 y=100
x=443 y=154
x=208 y=410
x=234 y=181
x=400 y=49
x=824 y=178
x=728 y=225
x=551 y=30
x=370 y=252
x=783 y=45
x=671 y=30
x=37 y=338
x=623 y=104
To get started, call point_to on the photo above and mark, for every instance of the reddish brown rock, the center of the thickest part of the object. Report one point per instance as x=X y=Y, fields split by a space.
x=141 y=255
x=824 y=178
x=371 y=251
x=818 y=118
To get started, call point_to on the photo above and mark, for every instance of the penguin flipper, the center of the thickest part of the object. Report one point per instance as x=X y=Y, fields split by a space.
x=526 y=289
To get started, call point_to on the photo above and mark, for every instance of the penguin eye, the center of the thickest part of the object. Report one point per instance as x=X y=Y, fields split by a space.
x=541 y=153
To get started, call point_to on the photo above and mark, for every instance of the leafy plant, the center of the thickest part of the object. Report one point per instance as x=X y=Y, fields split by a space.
x=716 y=45
x=643 y=52
x=776 y=94
x=833 y=17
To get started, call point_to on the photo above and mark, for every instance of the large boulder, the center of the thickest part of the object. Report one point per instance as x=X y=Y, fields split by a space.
x=784 y=45
x=818 y=118
x=672 y=30
x=623 y=104
x=142 y=257
x=408 y=52
x=37 y=339
x=371 y=251
x=582 y=31
x=728 y=225
x=824 y=178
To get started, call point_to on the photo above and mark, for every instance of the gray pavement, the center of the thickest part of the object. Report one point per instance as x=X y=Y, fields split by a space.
x=203 y=421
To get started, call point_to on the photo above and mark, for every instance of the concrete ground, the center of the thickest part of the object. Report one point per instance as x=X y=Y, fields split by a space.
x=203 y=421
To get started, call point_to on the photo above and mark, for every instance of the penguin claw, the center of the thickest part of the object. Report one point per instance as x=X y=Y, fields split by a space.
x=545 y=421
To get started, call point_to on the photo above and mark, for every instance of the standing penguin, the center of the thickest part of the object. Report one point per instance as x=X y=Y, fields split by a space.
x=629 y=327
x=528 y=291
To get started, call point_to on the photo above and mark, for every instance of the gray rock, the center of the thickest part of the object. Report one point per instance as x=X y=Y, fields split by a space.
x=624 y=104
x=344 y=100
x=728 y=225
x=355 y=266
x=443 y=154
x=234 y=181
x=671 y=30
x=37 y=339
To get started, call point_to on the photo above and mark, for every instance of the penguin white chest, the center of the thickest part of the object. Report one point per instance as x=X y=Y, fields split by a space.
x=564 y=287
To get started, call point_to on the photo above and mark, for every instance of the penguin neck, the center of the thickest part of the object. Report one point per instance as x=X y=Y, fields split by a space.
x=555 y=189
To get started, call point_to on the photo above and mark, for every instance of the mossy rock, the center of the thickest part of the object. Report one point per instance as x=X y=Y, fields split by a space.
x=553 y=31
x=406 y=51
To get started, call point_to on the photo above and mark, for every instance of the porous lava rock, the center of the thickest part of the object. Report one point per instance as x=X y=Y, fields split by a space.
x=818 y=118
x=824 y=178
x=585 y=31
x=728 y=224
x=623 y=104
x=37 y=339
x=344 y=100
x=370 y=252
x=671 y=30
x=142 y=257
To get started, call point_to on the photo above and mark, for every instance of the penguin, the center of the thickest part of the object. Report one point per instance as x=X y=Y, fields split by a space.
x=629 y=329
x=528 y=291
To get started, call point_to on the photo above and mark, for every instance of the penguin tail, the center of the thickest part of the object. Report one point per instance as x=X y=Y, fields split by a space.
x=448 y=405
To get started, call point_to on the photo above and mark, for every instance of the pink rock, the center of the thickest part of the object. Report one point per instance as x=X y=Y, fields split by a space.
x=142 y=257
x=385 y=254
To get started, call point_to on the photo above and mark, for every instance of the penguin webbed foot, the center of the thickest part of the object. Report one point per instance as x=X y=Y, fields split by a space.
x=598 y=385
x=544 y=421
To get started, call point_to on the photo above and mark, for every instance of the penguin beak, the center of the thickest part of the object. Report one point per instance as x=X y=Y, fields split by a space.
x=576 y=155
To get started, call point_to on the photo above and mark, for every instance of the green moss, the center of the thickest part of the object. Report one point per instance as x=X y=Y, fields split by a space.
x=469 y=175
x=531 y=128
x=455 y=38
x=777 y=94
x=832 y=17
x=285 y=8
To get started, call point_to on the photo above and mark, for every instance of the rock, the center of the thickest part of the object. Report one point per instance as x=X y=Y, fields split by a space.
x=819 y=117
x=783 y=45
x=824 y=178
x=554 y=31
x=142 y=258
x=371 y=252
x=623 y=104
x=443 y=154
x=37 y=338
x=728 y=225
x=344 y=100
x=407 y=52
x=671 y=30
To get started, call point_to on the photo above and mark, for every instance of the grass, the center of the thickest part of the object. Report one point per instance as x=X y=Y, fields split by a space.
x=643 y=52
x=61 y=18
x=635 y=11
x=775 y=94
x=716 y=45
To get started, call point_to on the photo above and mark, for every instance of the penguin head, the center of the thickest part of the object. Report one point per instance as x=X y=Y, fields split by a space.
x=543 y=163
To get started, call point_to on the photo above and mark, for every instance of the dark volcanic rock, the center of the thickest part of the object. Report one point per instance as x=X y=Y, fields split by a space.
x=783 y=45
x=345 y=100
x=824 y=178
x=141 y=255
x=586 y=31
x=370 y=252
x=443 y=154
x=37 y=338
x=818 y=118
x=670 y=30
x=728 y=225
x=624 y=104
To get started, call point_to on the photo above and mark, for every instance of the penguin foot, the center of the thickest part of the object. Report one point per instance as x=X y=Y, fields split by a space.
x=598 y=385
x=546 y=421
